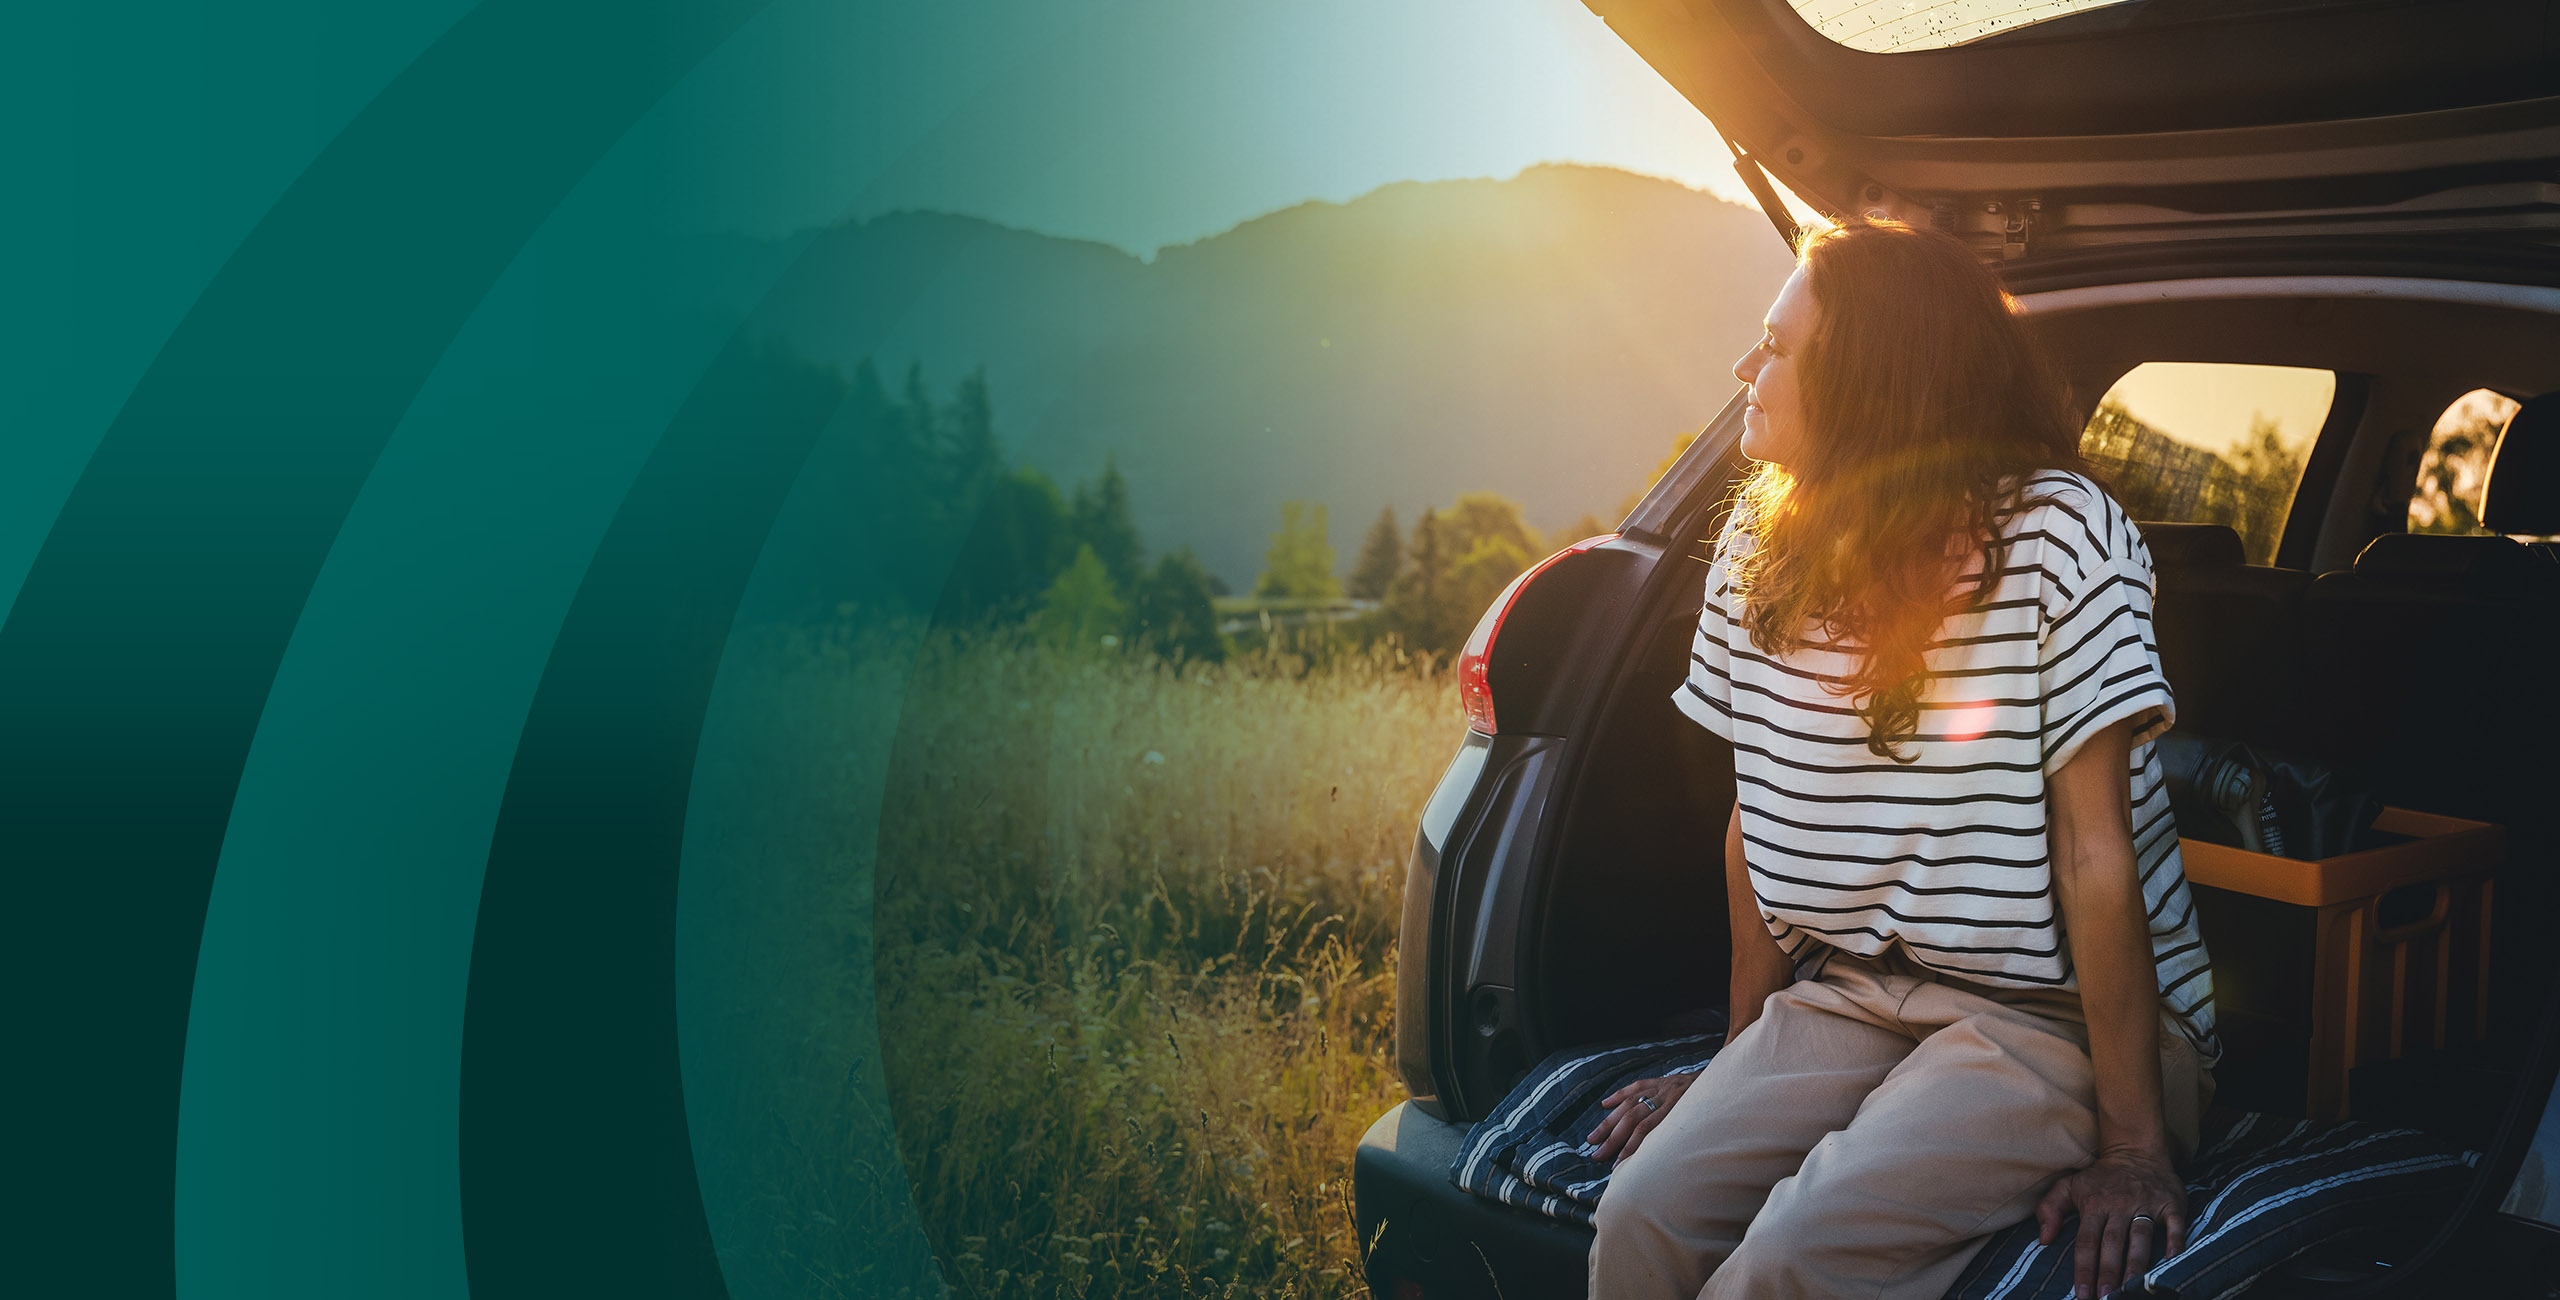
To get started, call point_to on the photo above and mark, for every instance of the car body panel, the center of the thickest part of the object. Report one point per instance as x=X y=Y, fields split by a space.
x=1457 y=1036
x=1420 y=1031
x=1419 y=1227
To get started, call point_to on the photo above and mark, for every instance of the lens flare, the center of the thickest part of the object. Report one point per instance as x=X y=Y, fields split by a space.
x=1967 y=722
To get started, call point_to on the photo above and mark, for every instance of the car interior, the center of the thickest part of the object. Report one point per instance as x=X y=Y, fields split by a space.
x=2411 y=660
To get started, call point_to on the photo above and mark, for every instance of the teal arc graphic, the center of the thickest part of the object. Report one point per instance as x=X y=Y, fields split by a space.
x=577 y=1172
x=138 y=656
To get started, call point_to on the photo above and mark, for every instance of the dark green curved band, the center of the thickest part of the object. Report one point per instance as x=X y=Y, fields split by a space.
x=577 y=1168
x=138 y=656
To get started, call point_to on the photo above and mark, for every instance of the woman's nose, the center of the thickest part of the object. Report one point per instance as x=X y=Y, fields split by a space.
x=1748 y=366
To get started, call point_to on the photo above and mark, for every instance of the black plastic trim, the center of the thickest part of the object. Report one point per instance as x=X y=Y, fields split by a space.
x=2457 y=1254
x=1715 y=453
x=2481 y=259
x=2320 y=477
x=1511 y=794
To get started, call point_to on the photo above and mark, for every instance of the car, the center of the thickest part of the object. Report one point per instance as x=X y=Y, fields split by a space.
x=2366 y=195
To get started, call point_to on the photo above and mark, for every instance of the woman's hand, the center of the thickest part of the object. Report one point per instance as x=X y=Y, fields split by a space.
x=1633 y=1111
x=2133 y=1214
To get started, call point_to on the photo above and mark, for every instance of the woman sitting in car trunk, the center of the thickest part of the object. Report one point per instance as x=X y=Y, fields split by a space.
x=1967 y=981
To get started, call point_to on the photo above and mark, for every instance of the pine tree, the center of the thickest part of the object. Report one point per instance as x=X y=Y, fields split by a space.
x=1381 y=559
x=1102 y=520
x=1417 y=603
x=915 y=432
x=1080 y=609
x=968 y=428
x=1174 y=612
x=1018 y=542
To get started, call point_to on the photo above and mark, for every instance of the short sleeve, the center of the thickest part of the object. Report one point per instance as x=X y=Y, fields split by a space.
x=2098 y=660
x=1706 y=695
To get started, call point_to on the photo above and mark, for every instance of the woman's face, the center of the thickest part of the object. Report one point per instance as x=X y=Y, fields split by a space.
x=1773 y=423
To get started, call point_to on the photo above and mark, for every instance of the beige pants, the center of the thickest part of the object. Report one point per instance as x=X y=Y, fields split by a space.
x=1862 y=1137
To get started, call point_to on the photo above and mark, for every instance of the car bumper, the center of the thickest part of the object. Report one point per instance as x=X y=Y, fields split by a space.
x=1428 y=1240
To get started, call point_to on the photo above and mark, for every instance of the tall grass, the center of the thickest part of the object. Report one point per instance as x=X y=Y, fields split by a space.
x=1135 y=934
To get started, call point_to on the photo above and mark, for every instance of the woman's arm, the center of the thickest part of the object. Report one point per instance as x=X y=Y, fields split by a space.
x=2097 y=882
x=1760 y=968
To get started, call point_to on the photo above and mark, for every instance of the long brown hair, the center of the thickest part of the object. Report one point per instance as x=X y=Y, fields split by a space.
x=1925 y=398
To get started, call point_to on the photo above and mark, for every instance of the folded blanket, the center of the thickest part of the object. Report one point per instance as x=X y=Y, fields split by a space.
x=1529 y=1152
x=2261 y=1190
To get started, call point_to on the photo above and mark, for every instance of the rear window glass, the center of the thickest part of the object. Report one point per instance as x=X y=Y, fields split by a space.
x=2455 y=471
x=1882 y=26
x=1886 y=26
x=2207 y=443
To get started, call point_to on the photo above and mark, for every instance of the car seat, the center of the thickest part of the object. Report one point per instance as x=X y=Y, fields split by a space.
x=2228 y=631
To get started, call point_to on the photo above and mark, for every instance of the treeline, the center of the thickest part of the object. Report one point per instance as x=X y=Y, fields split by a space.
x=924 y=517
x=1430 y=585
x=2248 y=487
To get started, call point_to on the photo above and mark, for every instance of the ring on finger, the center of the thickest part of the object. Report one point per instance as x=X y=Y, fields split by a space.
x=1647 y=1102
x=2145 y=1218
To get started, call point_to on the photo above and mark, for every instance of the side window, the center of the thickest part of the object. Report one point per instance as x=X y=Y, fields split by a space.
x=2208 y=443
x=2455 y=469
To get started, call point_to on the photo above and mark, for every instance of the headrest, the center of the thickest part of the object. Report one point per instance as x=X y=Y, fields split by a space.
x=2185 y=546
x=2522 y=494
x=2447 y=558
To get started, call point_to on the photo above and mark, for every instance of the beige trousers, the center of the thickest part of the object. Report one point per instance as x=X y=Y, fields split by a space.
x=1862 y=1138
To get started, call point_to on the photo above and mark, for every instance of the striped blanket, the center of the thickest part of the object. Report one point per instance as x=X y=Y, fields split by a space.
x=2261 y=1190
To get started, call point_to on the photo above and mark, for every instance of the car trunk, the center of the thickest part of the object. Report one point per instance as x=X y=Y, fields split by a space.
x=1646 y=791
x=2132 y=123
x=1626 y=925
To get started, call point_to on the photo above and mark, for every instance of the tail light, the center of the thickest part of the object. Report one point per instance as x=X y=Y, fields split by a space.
x=1475 y=663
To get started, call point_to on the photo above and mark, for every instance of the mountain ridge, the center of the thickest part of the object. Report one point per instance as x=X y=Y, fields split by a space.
x=1545 y=336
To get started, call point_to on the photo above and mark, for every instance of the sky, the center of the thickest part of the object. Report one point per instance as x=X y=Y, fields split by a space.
x=1143 y=123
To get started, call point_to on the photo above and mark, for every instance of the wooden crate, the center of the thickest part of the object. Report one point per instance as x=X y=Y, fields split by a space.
x=2397 y=945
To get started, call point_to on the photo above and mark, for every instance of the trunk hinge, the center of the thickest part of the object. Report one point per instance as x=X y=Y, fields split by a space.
x=1756 y=179
x=2024 y=216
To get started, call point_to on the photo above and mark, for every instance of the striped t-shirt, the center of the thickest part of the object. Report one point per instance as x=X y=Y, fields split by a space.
x=1945 y=856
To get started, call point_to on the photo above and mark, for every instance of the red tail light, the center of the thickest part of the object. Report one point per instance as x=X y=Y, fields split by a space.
x=1475 y=690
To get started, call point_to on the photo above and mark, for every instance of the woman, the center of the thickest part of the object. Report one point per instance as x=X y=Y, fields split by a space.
x=1967 y=981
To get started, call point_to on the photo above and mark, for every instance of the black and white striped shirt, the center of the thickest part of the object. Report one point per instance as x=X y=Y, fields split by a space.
x=1946 y=855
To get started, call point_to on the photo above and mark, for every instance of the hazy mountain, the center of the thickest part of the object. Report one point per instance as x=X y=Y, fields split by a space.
x=1545 y=337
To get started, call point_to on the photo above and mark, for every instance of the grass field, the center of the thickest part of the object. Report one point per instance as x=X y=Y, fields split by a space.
x=1135 y=960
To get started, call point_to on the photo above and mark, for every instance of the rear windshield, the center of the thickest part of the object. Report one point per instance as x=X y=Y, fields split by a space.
x=2208 y=443
x=1883 y=26
x=1887 y=26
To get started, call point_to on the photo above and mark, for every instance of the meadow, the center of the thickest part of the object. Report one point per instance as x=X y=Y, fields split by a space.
x=1132 y=925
